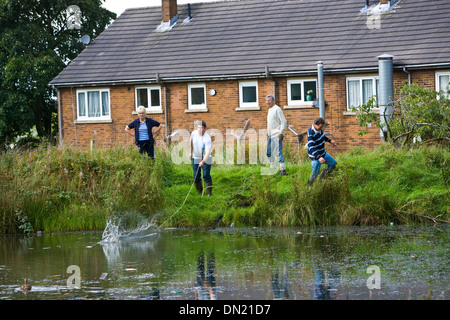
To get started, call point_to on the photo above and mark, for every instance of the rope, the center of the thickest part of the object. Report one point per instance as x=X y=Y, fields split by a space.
x=183 y=201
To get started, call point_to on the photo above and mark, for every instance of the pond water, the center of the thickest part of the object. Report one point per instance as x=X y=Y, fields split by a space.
x=231 y=263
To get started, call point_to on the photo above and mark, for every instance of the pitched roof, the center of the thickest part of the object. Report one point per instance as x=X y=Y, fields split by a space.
x=242 y=38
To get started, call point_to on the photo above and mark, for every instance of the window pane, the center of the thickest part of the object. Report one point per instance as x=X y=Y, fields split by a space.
x=93 y=103
x=249 y=94
x=353 y=93
x=444 y=82
x=82 y=104
x=197 y=96
x=296 y=91
x=367 y=90
x=310 y=90
x=154 y=98
x=105 y=104
x=142 y=97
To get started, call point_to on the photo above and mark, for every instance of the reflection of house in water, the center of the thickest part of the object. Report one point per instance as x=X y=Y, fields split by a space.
x=206 y=281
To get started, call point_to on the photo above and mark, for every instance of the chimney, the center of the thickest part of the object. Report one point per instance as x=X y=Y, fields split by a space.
x=385 y=2
x=169 y=10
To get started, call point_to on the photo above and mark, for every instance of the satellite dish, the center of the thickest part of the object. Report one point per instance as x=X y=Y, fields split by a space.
x=85 y=39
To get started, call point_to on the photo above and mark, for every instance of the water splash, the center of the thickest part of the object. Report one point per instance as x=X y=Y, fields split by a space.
x=128 y=227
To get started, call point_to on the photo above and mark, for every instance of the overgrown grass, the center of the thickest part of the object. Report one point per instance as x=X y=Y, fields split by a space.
x=53 y=189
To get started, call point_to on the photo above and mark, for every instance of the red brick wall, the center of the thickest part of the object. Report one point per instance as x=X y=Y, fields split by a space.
x=222 y=114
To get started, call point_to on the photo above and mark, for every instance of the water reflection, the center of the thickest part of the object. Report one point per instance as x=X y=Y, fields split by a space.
x=326 y=263
x=206 y=281
x=280 y=284
x=326 y=284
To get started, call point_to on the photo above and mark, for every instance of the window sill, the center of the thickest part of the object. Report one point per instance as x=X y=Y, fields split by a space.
x=92 y=121
x=248 y=109
x=150 y=112
x=303 y=106
x=351 y=113
x=195 y=110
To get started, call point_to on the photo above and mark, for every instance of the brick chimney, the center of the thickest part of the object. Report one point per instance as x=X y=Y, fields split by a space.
x=385 y=1
x=169 y=10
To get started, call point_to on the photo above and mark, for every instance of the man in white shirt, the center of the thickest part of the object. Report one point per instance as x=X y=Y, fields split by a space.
x=276 y=125
x=201 y=156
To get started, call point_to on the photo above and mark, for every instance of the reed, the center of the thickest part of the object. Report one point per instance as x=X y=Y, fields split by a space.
x=60 y=189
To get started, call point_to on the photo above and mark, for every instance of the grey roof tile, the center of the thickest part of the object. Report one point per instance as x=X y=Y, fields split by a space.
x=244 y=37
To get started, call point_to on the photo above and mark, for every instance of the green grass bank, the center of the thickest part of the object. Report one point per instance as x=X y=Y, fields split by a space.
x=60 y=189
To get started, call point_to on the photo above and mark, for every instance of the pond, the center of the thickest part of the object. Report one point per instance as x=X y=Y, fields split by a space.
x=395 y=262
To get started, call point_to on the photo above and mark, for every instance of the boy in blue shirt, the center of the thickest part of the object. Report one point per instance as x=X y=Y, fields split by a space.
x=316 y=150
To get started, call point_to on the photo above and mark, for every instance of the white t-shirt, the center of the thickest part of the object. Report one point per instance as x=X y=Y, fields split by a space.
x=200 y=143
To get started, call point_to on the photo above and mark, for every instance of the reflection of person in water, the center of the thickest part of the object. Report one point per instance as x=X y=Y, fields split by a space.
x=280 y=287
x=206 y=283
x=325 y=284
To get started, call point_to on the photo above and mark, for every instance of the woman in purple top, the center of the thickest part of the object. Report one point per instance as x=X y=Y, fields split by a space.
x=143 y=132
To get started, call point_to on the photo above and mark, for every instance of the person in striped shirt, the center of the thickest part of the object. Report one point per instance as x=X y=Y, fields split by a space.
x=316 y=150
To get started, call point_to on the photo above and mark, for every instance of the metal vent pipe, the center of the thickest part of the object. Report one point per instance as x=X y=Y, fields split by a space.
x=321 y=93
x=385 y=90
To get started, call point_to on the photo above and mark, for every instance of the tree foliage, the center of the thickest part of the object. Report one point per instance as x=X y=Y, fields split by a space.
x=421 y=116
x=36 y=43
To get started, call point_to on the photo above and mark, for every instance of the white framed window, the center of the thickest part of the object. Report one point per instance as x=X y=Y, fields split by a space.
x=301 y=91
x=197 y=96
x=149 y=97
x=93 y=104
x=248 y=94
x=360 y=90
x=443 y=82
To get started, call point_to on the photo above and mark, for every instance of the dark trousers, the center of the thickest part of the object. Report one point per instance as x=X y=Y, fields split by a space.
x=147 y=147
x=197 y=172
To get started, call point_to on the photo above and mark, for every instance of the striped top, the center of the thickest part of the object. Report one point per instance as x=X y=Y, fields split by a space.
x=316 y=143
x=143 y=132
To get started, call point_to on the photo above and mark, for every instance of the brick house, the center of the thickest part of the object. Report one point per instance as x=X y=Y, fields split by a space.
x=217 y=61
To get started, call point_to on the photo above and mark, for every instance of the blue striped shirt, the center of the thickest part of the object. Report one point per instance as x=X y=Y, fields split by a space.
x=143 y=132
x=316 y=143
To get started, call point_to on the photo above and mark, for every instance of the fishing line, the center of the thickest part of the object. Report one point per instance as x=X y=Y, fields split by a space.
x=183 y=201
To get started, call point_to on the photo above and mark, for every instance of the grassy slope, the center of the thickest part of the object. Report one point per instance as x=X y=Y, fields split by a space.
x=63 y=190
x=369 y=187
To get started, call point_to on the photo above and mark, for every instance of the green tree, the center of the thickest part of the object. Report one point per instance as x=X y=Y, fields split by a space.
x=421 y=116
x=36 y=43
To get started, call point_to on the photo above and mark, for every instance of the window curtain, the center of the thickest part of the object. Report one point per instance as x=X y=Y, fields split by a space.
x=444 y=82
x=81 y=104
x=93 y=104
x=367 y=90
x=105 y=104
x=353 y=93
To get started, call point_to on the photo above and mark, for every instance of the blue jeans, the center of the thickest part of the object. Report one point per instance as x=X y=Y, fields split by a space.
x=329 y=161
x=197 y=172
x=272 y=144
